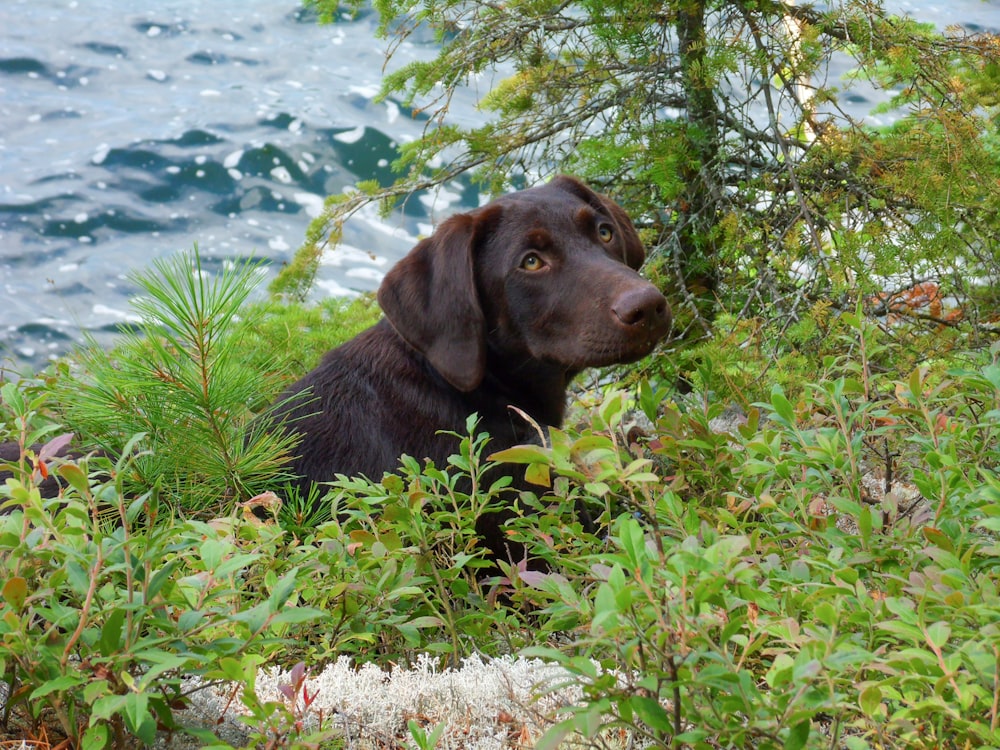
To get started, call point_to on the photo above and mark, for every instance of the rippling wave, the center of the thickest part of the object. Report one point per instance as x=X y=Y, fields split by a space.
x=127 y=135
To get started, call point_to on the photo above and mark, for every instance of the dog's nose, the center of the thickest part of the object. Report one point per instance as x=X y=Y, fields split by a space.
x=643 y=306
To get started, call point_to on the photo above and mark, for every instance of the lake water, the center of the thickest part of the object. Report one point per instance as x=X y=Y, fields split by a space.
x=128 y=134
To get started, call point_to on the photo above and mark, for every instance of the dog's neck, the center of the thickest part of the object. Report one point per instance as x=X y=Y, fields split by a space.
x=537 y=388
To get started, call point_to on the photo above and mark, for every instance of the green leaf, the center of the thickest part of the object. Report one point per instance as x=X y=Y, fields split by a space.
x=254 y=618
x=159 y=578
x=847 y=575
x=94 y=690
x=827 y=614
x=612 y=409
x=58 y=685
x=111 y=634
x=870 y=700
x=652 y=713
x=726 y=549
x=96 y=737
x=283 y=589
x=605 y=617
x=138 y=719
x=905 y=630
x=938 y=634
x=780 y=671
x=938 y=538
x=76 y=477
x=12 y=397
x=522 y=454
x=189 y=620
x=588 y=443
x=297 y=615
x=782 y=406
x=233 y=669
x=538 y=474
x=856 y=743
x=106 y=707
x=864 y=518
x=211 y=553
x=427 y=621
x=633 y=542
x=798 y=735
x=553 y=737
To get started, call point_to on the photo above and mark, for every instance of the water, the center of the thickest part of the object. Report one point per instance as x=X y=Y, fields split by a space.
x=127 y=135
x=130 y=134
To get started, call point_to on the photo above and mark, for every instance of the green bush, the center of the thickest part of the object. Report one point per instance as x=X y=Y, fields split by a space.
x=400 y=568
x=761 y=587
x=196 y=378
x=108 y=603
x=789 y=605
x=822 y=574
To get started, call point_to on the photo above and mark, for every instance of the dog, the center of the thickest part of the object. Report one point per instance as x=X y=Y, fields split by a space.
x=494 y=313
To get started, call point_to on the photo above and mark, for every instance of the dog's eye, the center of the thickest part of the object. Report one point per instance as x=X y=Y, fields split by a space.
x=605 y=233
x=532 y=262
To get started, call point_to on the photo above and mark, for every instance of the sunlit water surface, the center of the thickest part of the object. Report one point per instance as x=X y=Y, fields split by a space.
x=129 y=134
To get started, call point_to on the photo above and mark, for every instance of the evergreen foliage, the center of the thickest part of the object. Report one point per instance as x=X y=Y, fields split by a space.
x=719 y=128
x=179 y=379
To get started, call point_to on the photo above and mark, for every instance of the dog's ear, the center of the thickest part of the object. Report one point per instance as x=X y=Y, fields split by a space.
x=635 y=253
x=430 y=298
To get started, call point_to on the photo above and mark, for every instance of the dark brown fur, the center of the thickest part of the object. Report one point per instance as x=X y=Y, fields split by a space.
x=471 y=326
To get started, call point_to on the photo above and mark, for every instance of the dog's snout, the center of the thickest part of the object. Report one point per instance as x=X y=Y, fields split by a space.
x=643 y=306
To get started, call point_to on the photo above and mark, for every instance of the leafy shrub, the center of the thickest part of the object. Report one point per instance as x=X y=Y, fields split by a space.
x=823 y=574
x=401 y=569
x=761 y=587
x=108 y=603
x=196 y=377
x=177 y=379
x=284 y=340
x=789 y=606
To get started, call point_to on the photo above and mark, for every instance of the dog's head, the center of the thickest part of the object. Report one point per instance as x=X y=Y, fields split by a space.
x=546 y=274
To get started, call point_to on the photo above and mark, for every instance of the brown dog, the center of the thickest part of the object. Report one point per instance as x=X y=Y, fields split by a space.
x=501 y=307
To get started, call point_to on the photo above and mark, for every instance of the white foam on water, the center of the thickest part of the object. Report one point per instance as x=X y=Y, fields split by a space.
x=333 y=289
x=369 y=91
x=111 y=312
x=351 y=136
x=367 y=274
x=347 y=255
x=391 y=112
x=312 y=203
x=100 y=154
